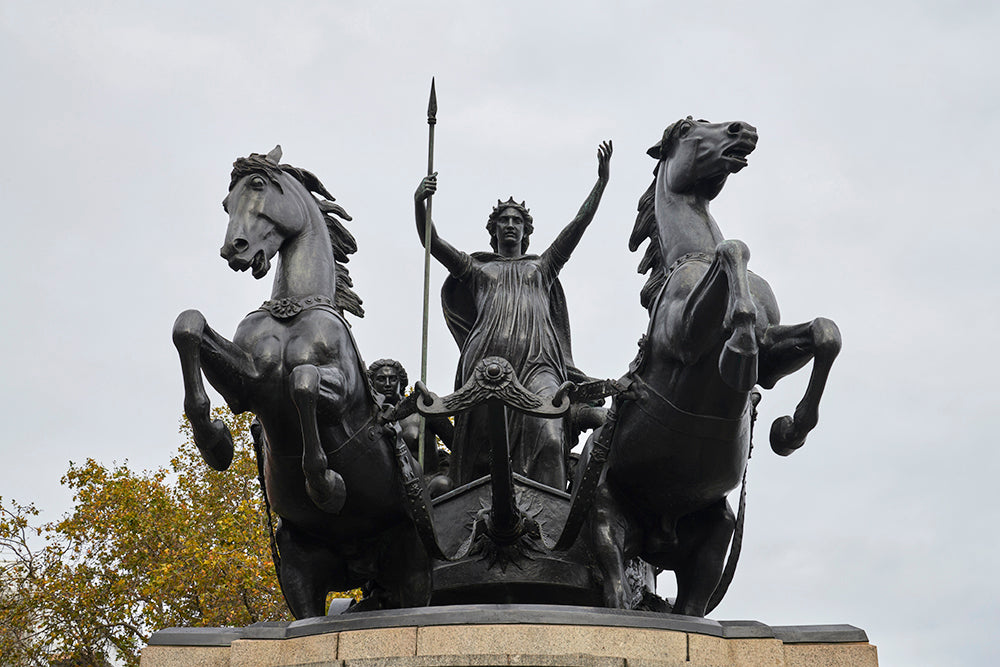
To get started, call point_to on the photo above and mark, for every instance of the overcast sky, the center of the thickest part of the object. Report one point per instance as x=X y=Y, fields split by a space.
x=870 y=200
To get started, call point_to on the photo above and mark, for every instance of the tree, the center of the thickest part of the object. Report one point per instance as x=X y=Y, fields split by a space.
x=20 y=636
x=177 y=546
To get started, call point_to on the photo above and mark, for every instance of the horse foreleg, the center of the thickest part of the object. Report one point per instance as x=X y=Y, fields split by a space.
x=325 y=487
x=724 y=292
x=191 y=333
x=786 y=349
x=738 y=360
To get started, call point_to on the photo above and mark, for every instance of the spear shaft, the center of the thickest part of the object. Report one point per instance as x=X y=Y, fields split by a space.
x=431 y=122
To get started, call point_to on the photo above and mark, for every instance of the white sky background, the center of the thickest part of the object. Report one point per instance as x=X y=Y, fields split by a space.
x=870 y=200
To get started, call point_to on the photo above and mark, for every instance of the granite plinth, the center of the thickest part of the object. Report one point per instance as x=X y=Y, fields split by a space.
x=487 y=635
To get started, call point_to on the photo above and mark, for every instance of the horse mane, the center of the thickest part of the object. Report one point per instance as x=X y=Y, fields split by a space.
x=645 y=228
x=341 y=239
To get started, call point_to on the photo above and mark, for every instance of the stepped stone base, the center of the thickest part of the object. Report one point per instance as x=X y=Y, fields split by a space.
x=522 y=635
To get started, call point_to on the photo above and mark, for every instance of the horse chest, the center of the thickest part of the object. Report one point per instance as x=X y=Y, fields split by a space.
x=276 y=353
x=267 y=354
x=314 y=348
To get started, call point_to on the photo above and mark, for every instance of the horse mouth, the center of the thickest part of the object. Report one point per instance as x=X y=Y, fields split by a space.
x=738 y=153
x=260 y=265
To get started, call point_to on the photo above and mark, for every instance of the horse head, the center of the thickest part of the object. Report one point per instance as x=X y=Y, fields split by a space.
x=269 y=203
x=694 y=159
x=263 y=212
x=700 y=155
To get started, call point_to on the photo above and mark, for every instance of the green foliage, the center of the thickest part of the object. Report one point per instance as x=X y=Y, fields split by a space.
x=177 y=546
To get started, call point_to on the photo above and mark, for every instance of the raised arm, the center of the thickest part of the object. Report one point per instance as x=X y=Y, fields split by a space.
x=453 y=259
x=565 y=243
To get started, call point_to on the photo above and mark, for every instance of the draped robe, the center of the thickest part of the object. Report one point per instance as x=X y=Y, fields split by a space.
x=512 y=308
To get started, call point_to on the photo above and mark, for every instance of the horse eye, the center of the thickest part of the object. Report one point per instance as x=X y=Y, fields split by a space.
x=683 y=129
x=257 y=183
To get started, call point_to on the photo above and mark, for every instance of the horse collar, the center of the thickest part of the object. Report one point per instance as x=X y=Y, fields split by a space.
x=689 y=257
x=286 y=309
x=696 y=256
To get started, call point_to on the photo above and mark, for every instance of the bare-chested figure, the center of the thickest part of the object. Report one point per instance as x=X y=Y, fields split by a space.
x=389 y=378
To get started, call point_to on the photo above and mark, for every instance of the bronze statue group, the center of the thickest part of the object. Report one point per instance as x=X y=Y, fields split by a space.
x=338 y=446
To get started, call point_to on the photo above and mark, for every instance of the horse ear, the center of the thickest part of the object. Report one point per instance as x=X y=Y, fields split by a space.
x=275 y=155
x=657 y=150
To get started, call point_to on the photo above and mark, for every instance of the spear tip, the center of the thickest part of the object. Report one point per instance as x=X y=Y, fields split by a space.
x=432 y=105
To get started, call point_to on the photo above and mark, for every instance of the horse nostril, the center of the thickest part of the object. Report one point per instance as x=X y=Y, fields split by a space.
x=240 y=245
x=735 y=128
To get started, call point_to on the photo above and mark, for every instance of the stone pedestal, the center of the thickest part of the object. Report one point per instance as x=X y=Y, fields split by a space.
x=487 y=635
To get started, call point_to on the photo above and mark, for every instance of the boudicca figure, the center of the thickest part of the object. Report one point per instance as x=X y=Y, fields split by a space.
x=510 y=304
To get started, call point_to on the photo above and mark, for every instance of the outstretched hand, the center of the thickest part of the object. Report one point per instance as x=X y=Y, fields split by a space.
x=427 y=187
x=604 y=160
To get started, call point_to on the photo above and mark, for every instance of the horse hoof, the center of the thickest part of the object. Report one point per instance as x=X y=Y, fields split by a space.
x=330 y=494
x=783 y=438
x=738 y=365
x=216 y=446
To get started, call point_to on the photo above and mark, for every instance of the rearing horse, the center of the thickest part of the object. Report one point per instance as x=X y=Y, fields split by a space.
x=679 y=438
x=330 y=472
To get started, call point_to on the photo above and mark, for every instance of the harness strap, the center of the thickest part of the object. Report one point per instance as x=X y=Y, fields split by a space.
x=415 y=491
x=361 y=429
x=668 y=415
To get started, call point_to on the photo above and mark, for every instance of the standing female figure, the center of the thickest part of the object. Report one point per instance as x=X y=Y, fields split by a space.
x=510 y=304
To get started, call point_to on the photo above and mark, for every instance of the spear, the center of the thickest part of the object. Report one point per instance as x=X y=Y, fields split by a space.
x=432 y=107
